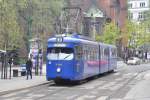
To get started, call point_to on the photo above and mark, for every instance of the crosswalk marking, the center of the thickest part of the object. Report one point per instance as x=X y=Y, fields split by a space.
x=102 y=98
x=107 y=85
x=84 y=97
x=93 y=85
x=71 y=97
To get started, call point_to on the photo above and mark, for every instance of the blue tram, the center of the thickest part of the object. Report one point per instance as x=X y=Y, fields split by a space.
x=76 y=58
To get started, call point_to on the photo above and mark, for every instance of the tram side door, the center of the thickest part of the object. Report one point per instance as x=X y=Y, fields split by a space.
x=78 y=68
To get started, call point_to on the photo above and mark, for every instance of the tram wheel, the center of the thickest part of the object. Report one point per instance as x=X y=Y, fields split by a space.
x=58 y=82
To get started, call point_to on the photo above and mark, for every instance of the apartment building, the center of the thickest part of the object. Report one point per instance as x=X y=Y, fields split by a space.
x=137 y=9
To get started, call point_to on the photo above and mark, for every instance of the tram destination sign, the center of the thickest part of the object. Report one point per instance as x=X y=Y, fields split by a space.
x=59 y=45
x=59 y=39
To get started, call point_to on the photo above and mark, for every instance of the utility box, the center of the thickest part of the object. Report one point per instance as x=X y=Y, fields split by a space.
x=15 y=72
x=23 y=73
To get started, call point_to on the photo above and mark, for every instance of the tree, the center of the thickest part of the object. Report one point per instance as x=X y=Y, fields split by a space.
x=146 y=24
x=10 y=35
x=110 y=34
x=42 y=13
x=14 y=23
x=131 y=33
x=137 y=34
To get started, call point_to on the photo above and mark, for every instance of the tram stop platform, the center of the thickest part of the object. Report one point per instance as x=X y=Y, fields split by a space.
x=20 y=82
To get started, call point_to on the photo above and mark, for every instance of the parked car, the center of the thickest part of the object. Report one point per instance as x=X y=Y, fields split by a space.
x=23 y=69
x=134 y=61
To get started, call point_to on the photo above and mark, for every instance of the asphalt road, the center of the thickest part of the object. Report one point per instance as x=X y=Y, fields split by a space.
x=111 y=86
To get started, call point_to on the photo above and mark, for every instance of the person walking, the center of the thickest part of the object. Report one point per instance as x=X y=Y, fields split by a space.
x=29 y=68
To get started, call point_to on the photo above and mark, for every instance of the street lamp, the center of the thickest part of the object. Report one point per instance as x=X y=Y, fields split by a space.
x=29 y=33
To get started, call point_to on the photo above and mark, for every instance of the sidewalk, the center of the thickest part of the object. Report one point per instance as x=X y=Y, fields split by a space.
x=18 y=83
x=141 y=91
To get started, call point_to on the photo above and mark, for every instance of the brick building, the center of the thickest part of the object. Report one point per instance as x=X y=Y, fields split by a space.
x=114 y=9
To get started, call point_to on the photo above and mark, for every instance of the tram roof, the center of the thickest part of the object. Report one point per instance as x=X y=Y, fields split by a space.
x=75 y=38
x=71 y=38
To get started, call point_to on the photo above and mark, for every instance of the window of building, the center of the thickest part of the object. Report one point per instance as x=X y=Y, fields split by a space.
x=130 y=5
x=130 y=16
x=141 y=16
x=142 y=4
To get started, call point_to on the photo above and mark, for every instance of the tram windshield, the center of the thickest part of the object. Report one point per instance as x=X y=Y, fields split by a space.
x=58 y=53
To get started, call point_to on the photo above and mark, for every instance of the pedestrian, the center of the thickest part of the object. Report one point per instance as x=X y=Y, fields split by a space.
x=29 y=68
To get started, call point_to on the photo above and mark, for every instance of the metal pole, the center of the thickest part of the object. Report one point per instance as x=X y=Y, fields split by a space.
x=10 y=62
x=37 y=63
x=4 y=66
x=1 y=33
x=10 y=72
x=2 y=73
x=40 y=61
x=29 y=20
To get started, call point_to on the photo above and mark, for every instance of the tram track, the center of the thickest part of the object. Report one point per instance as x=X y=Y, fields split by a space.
x=125 y=84
x=60 y=90
x=110 y=96
x=52 y=85
x=128 y=77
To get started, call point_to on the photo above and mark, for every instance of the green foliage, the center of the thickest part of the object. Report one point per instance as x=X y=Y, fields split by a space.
x=10 y=36
x=111 y=33
x=130 y=31
x=137 y=34
x=14 y=15
x=98 y=38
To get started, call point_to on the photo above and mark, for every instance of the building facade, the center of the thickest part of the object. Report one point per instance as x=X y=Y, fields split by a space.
x=116 y=10
x=137 y=9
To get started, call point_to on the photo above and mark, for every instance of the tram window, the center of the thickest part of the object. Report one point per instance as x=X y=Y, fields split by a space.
x=59 y=53
x=102 y=52
x=106 y=51
x=85 y=53
x=89 y=53
x=114 y=52
x=96 y=54
x=93 y=53
x=79 y=52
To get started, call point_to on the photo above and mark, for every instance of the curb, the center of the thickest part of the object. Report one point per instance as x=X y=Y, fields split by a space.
x=15 y=90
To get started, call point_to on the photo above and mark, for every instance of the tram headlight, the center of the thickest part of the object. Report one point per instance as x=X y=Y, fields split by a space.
x=58 y=70
x=49 y=62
